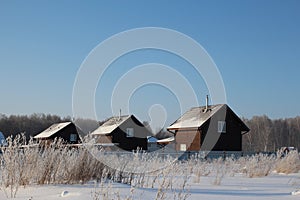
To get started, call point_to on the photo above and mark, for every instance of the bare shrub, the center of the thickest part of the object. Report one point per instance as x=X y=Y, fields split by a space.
x=11 y=167
x=24 y=164
x=220 y=171
x=258 y=166
x=57 y=163
x=290 y=163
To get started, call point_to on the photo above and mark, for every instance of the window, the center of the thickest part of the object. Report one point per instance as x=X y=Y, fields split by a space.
x=73 y=138
x=182 y=147
x=129 y=132
x=221 y=127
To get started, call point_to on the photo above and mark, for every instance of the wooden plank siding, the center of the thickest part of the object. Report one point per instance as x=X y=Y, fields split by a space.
x=104 y=139
x=191 y=138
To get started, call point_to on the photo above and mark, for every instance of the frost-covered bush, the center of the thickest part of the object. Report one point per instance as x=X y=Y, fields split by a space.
x=290 y=163
x=31 y=163
x=258 y=165
x=24 y=163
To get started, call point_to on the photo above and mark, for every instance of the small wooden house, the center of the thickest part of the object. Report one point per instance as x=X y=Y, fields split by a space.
x=66 y=130
x=214 y=127
x=126 y=132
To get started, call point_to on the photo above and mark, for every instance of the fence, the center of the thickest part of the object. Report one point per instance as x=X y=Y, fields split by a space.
x=166 y=152
x=190 y=154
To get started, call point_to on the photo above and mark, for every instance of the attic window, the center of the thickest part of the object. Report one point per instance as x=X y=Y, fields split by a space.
x=129 y=132
x=221 y=127
x=73 y=138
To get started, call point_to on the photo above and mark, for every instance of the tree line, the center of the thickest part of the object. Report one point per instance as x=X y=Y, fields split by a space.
x=271 y=134
x=265 y=134
x=31 y=125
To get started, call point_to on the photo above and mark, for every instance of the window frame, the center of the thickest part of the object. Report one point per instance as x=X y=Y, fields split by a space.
x=182 y=147
x=73 y=137
x=221 y=126
x=129 y=132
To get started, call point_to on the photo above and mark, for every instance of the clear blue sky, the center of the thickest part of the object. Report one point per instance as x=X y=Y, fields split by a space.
x=255 y=44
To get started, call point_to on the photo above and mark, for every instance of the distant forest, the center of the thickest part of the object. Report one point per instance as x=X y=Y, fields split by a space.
x=270 y=134
x=265 y=134
x=30 y=125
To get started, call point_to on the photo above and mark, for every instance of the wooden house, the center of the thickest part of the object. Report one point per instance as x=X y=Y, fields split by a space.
x=214 y=127
x=68 y=131
x=126 y=132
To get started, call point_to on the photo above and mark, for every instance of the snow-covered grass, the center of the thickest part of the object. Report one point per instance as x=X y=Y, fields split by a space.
x=289 y=163
x=57 y=171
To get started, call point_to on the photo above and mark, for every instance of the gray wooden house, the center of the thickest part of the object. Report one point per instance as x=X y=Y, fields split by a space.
x=210 y=127
x=126 y=132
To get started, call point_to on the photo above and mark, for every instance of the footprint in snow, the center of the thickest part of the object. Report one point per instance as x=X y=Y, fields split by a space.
x=64 y=193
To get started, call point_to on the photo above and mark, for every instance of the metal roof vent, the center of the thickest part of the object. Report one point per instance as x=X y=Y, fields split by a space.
x=120 y=114
x=206 y=104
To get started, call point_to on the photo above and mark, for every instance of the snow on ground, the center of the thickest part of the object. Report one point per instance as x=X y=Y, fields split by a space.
x=274 y=186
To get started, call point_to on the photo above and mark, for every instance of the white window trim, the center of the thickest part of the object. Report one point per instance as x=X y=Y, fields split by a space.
x=129 y=132
x=182 y=147
x=221 y=126
x=73 y=137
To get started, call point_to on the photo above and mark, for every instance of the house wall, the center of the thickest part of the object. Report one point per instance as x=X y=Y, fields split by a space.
x=232 y=139
x=103 y=139
x=128 y=143
x=131 y=143
x=229 y=141
x=190 y=138
x=140 y=131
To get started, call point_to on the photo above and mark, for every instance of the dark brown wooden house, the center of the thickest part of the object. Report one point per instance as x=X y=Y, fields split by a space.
x=126 y=132
x=66 y=130
x=214 y=127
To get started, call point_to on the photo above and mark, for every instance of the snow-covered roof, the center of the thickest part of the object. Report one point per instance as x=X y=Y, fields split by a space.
x=52 y=130
x=151 y=139
x=170 y=139
x=110 y=125
x=195 y=117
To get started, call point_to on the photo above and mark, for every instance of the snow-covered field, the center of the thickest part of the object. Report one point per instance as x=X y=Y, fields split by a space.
x=274 y=186
x=60 y=172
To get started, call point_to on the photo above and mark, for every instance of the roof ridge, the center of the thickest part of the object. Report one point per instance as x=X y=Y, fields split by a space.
x=219 y=104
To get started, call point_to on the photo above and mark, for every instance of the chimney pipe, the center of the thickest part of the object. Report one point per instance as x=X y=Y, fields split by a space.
x=120 y=114
x=206 y=105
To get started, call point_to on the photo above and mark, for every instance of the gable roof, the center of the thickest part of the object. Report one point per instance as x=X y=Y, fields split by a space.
x=197 y=116
x=52 y=130
x=166 y=140
x=110 y=125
